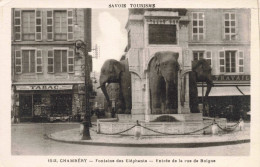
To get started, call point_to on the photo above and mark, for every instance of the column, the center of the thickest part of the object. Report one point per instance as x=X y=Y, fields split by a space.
x=147 y=99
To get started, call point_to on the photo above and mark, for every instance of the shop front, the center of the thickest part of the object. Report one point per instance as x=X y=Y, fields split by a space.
x=229 y=98
x=45 y=102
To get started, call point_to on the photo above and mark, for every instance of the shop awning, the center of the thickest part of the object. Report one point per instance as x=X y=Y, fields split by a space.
x=221 y=91
x=244 y=89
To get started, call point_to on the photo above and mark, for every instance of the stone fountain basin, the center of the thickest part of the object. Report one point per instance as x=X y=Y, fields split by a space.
x=183 y=123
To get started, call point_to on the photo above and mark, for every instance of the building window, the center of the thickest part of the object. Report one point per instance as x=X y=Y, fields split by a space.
x=60 y=25
x=197 y=55
x=60 y=61
x=28 y=25
x=28 y=61
x=230 y=26
x=198 y=26
x=209 y=57
x=227 y=61
x=162 y=34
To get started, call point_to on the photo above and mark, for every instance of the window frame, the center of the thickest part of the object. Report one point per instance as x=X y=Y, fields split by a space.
x=22 y=33
x=54 y=33
x=237 y=58
x=29 y=49
x=230 y=26
x=198 y=26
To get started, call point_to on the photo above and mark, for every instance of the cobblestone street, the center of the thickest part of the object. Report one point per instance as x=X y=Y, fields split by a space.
x=28 y=139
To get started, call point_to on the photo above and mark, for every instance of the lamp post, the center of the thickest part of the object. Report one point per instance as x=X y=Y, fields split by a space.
x=82 y=46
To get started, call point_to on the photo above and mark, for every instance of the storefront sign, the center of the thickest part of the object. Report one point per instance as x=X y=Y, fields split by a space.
x=231 y=78
x=44 y=87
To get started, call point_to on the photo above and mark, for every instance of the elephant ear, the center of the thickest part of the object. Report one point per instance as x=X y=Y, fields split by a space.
x=118 y=68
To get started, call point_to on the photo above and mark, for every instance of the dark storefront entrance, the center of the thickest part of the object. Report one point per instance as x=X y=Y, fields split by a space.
x=61 y=104
x=28 y=103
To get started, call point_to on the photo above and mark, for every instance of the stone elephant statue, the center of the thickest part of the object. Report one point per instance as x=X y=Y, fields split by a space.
x=163 y=78
x=114 y=71
x=201 y=72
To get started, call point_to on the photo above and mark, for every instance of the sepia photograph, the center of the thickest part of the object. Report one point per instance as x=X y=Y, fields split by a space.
x=140 y=82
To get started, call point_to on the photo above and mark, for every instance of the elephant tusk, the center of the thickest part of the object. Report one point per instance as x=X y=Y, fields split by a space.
x=98 y=87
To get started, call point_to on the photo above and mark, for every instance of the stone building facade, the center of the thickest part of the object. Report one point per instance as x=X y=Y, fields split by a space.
x=222 y=36
x=47 y=74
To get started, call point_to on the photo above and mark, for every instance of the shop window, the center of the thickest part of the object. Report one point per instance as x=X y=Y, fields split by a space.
x=162 y=34
x=227 y=61
x=230 y=26
x=198 y=26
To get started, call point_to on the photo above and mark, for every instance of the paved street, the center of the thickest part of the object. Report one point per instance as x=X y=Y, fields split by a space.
x=28 y=139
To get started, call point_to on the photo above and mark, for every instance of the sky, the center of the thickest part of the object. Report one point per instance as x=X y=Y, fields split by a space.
x=109 y=33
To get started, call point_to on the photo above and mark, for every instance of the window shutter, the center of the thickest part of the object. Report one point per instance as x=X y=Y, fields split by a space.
x=38 y=25
x=18 y=62
x=222 y=62
x=50 y=25
x=50 y=61
x=209 y=57
x=39 y=61
x=71 y=61
x=223 y=25
x=241 y=61
x=17 y=25
x=70 y=25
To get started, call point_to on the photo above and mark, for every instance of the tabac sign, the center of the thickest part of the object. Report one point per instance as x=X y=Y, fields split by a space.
x=231 y=78
x=44 y=87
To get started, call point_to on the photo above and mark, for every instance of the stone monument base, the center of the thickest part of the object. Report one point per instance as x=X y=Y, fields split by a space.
x=184 y=124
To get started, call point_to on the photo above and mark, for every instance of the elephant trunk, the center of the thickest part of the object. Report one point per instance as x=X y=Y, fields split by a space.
x=104 y=90
x=209 y=86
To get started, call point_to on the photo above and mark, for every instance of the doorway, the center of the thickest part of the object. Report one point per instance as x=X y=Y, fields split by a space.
x=26 y=109
x=61 y=104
